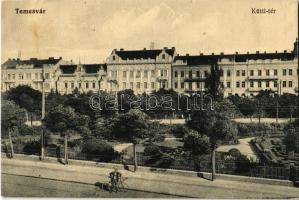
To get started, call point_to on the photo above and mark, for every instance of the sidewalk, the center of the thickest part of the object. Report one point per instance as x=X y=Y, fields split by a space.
x=149 y=181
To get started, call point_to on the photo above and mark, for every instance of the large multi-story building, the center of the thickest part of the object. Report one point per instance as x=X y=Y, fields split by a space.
x=243 y=74
x=140 y=70
x=145 y=71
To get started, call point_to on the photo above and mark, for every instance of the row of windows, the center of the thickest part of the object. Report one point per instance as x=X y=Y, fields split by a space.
x=138 y=85
x=259 y=72
x=259 y=84
x=138 y=74
x=87 y=85
x=182 y=85
x=190 y=74
x=27 y=76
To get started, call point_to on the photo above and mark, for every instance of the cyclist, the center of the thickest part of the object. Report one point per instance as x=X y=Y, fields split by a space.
x=115 y=178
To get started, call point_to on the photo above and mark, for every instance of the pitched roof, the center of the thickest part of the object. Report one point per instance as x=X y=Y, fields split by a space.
x=93 y=68
x=212 y=59
x=68 y=69
x=143 y=54
x=37 y=63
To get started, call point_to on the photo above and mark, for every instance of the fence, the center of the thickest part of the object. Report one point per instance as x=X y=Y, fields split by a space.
x=167 y=162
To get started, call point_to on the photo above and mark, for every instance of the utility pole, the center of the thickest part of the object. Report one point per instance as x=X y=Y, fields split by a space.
x=43 y=116
x=10 y=143
x=277 y=97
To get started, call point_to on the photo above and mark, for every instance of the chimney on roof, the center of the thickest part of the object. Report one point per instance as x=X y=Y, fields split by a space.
x=13 y=59
x=275 y=51
x=247 y=52
x=152 y=45
x=284 y=51
x=212 y=53
x=221 y=53
x=237 y=53
x=51 y=58
x=201 y=54
x=265 y=52
x=165 y=48
x=60 y=57
x=18 y=59
x=9 y=59
x=121 y=49
x=257 y=52
x=187 y=54
x=144 y=49
x=172 y=48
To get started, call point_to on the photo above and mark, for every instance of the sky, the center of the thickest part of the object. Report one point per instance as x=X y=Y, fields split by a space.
x=88 y=30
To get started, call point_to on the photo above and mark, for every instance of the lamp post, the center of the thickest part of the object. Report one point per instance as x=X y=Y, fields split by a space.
x=43 y=115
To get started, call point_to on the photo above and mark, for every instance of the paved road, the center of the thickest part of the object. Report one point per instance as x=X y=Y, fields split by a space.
x=151 y=182
x=22 y=186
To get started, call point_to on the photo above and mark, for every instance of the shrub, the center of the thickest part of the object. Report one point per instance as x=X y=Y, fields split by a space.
x=98 y=150
x=27 y=130
x=152 y=150
x=180 y=131
x=32 y=148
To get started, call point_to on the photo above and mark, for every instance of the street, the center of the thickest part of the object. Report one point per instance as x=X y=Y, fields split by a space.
x=22 y=186
x=55 y=179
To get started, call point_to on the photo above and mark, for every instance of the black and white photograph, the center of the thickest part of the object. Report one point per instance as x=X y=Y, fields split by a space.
x=150 y=99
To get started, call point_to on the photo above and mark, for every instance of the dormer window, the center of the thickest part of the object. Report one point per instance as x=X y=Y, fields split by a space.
x=163 y=56
x=113 y=57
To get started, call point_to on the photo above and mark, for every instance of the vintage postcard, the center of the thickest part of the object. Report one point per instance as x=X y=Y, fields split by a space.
x=150 y=99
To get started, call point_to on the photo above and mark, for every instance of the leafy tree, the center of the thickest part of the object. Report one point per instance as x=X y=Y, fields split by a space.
x=132 y=127
x=156 y=132
x=98 y=149
x=26 y=98
x=12 y=117
x=179 y=130
x=53 y=99
x=197 y=143
x=125 y=98
x=81 y=105
x=247 y=107
x=217 y=127
x=64 y=120
x=226 y=108
x=213 y=85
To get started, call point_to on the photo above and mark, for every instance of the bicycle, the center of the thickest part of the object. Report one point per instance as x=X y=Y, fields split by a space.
x=117 y=185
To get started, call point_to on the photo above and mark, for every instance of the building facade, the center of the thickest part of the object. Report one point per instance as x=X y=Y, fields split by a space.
x=54 y=74
x=32 y=72
x=242 y=74
x=145 y=71
x=82 y=77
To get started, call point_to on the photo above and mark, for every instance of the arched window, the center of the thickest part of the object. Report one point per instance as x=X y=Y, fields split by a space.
x=163 y=56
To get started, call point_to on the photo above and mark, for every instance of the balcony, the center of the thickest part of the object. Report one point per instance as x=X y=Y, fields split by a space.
x=194 y=79
x=262 y=78
x=188 y=90
x=9 y=81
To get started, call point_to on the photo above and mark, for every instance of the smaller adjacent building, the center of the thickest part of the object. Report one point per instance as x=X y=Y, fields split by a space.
x=56 y=75
x=30 y=72
x=81 y=77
